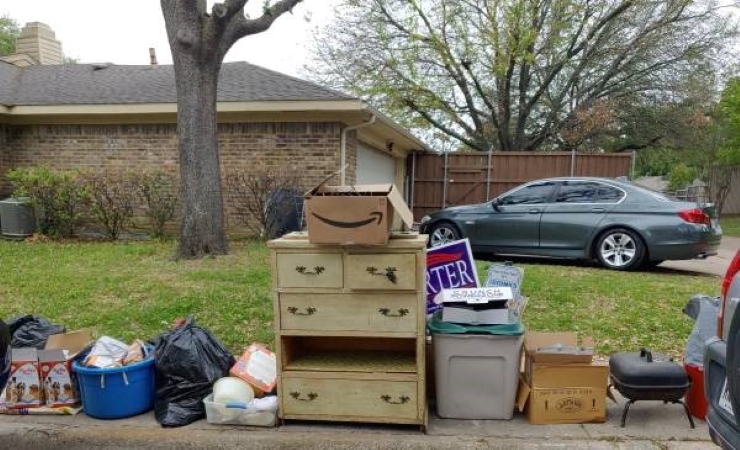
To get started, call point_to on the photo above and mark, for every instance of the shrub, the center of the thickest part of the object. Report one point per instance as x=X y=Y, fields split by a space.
x=158 y=191
x=264 y=199
x=112 y=199
x=56 y=193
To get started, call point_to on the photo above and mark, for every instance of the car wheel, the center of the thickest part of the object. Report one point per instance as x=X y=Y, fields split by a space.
x=443 y=233
x=620 y=249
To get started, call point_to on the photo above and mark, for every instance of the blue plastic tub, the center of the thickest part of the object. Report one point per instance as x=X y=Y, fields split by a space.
x=116 y=393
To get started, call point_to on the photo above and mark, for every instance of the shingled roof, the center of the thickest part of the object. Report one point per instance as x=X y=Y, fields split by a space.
x=95 y=84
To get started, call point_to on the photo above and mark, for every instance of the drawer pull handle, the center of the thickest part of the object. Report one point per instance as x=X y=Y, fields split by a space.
x=309 y=311
x=401 y=400
x=387 y=312
x=311 y=396
x=318 y=270
x=388 y=272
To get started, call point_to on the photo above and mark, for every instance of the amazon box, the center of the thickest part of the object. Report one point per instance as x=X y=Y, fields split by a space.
x=354 y=215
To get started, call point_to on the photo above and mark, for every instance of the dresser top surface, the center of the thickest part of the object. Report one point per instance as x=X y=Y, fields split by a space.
x=398 y=240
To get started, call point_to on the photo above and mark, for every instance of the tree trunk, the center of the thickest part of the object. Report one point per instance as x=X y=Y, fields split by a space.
x=202 y=229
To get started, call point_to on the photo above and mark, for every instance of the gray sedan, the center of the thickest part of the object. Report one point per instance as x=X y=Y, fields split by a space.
x=621 y=225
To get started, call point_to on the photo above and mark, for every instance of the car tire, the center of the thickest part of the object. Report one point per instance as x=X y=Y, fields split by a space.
x=733 y=363
x=620 y=249
x=443 y=233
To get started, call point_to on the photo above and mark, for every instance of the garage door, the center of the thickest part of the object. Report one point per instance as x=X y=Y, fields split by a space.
x=374 y=167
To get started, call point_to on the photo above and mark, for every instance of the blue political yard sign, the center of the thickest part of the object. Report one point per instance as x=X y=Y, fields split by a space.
x=449 y=266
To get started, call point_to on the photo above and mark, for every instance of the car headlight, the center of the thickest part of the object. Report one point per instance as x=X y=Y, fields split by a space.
x=425 y=219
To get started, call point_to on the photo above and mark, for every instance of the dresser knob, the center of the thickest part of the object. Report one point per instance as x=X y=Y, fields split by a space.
x=387 y=312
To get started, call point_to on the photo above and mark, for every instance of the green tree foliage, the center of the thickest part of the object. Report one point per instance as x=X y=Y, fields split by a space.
x=515 y=74
x=9 y=31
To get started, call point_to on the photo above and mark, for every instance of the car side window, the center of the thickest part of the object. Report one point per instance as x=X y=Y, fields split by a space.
x=528 y=195
x=610 y=194
x=577 y=192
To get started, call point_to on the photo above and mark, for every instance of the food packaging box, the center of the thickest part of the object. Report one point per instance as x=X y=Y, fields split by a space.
x=258 y=367
x=55 y=365
x=56 y=378
x=23 y=389
x=354 y=215
x=476 y=306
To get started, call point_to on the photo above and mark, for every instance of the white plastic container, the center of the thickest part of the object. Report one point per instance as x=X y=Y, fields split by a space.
x=232 y=389
x=236 y=414
x=476 y=375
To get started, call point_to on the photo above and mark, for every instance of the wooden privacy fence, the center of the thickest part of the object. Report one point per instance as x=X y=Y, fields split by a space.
x=441 y=180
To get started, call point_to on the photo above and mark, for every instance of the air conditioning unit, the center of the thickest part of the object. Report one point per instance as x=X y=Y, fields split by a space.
x=17 y=217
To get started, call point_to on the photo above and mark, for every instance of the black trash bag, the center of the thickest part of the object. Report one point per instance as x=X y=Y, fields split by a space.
x=188 y=360
x=32 y=331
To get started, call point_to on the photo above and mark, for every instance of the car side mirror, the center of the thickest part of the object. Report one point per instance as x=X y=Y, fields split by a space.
x=496 y=204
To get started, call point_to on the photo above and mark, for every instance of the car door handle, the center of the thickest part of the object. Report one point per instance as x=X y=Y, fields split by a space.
x=534 y=211
x=597 y=210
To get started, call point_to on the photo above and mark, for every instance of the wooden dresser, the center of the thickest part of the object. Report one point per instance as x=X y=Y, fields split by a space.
x=349 y=330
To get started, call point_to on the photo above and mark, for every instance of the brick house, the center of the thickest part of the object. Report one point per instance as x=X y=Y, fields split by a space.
x=97 y=115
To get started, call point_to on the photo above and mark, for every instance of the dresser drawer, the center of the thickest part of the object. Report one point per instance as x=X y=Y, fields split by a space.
x=309 y=270
x=380 y=271
x=342 y=397
x=349 y=312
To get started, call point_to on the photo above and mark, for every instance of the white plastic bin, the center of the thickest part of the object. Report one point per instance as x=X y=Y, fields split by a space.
x=225 y=414
x=476 y=375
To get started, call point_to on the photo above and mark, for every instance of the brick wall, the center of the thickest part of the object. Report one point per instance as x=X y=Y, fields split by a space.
x=310 y=148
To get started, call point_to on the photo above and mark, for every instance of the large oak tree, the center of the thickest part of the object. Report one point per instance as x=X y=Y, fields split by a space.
x=199 y=41
x=515 y=74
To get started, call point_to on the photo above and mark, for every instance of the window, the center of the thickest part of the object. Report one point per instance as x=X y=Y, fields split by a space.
x=528 y=195
x=610 y=194
x=577 y=192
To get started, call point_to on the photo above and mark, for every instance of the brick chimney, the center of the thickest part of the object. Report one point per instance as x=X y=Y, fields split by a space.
x=37 y=40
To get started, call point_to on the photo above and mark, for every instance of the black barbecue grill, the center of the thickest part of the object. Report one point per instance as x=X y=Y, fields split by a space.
x=648 y=376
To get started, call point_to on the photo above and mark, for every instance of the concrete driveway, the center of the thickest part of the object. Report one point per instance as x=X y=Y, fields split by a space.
x=714 y=265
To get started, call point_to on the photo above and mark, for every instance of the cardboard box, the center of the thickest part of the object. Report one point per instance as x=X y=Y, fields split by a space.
x=354 y=215
x=557 y=405
x=557 y=348
x=258 y=367
x=476 y=306
x=23 y=389
x=55 y=365
x=560 y=383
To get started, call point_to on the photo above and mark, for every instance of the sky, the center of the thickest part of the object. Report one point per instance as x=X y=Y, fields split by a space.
x=121 y=32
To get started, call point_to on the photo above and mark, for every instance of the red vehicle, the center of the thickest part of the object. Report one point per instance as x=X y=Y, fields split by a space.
x=722 y=365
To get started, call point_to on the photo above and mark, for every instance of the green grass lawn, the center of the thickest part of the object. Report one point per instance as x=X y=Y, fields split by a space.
x=134 y=290
x=730 y=225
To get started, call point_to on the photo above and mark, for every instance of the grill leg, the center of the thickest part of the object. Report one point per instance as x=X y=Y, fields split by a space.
x=688 y=414
x=626 y=410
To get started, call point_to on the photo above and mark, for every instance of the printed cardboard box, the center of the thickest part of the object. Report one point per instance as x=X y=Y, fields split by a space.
x=55 y=364
x=56 y=379
x=258 y=367
x=354 y=215
x=566 y=404
x=476 y=306
x=23 y=389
